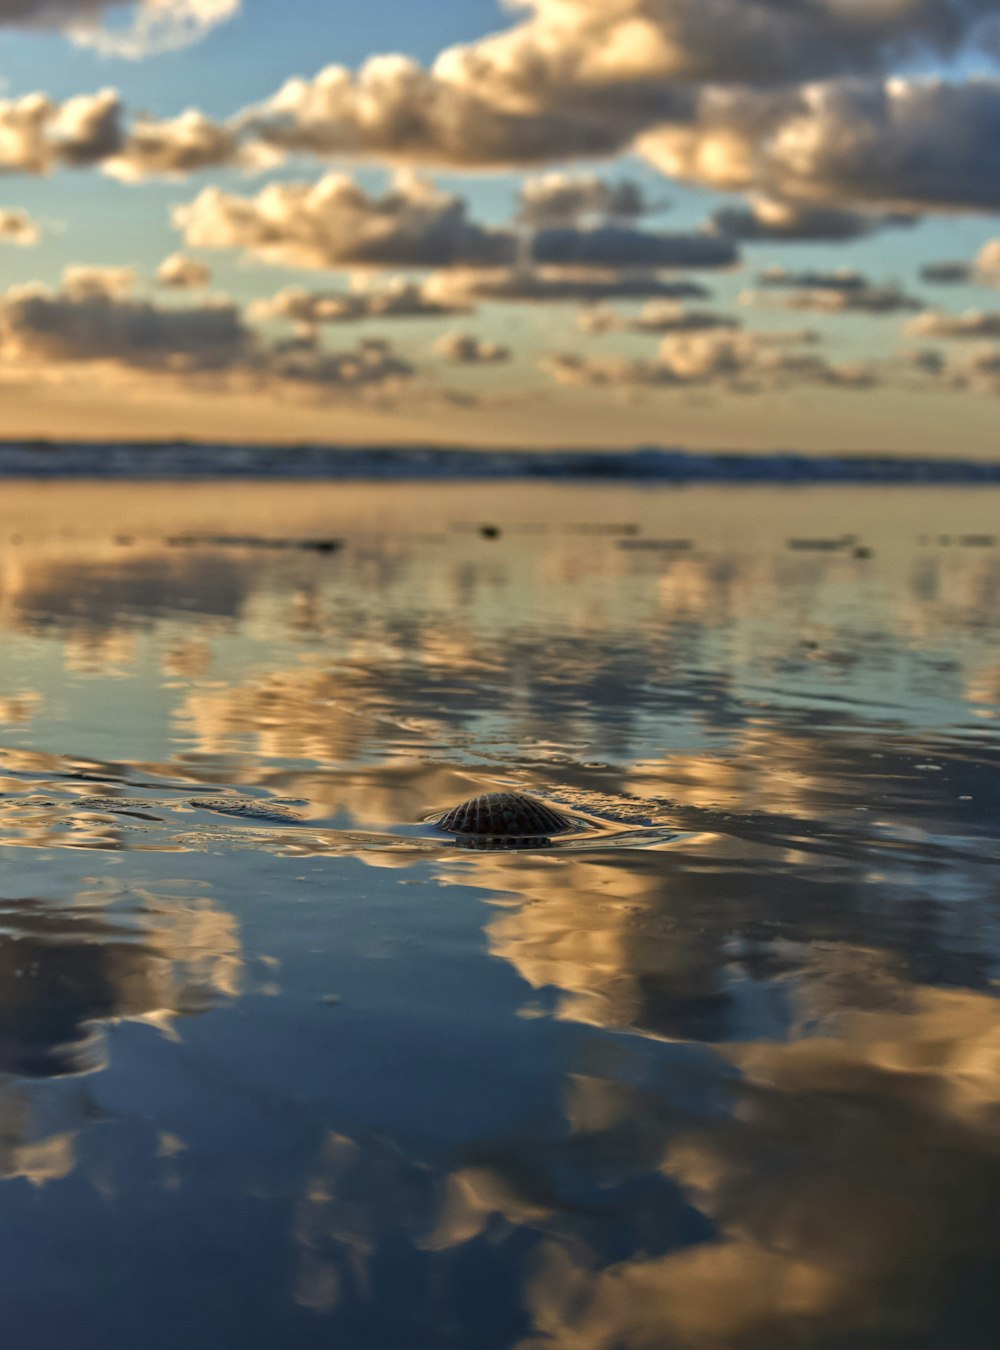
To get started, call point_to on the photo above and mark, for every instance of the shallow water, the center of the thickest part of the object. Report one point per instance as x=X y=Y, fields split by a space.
x=281 y=1066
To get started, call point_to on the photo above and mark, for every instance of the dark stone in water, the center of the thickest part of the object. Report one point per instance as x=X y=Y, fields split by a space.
x=321 y=545
x=504 y=815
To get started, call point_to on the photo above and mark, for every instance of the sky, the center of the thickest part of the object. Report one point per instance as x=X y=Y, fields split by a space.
x=726 y=224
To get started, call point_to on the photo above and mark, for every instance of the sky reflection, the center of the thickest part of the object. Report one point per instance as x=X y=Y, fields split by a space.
x=722 y=1079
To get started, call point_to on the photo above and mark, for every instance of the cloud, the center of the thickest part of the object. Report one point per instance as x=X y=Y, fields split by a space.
x=174 y=148
x=94 y=318
x=974 y=369
x=24 y=124
x=801 y=103
x=335 y=223
x=848 y=298
x=17 y=227
x=983 y=270
x=465 y=349
x=902 y=144
x=551 y=285
x=465 y=112
x=555 y=89
x=310 y=309
x=37 y=134
x=584 y=77
x=743 y=361
x=946 y=273
x=832 y=158
x=157 y=25
x=655 y=317
x=974 y=323
x=569 y=199
x=987 y=265
x=86 y=129
x=766 y=218
x=80 y=281
x=180 y=273
x=978 y=370
x=617 y=246
x=372 y=364
x=842 y=279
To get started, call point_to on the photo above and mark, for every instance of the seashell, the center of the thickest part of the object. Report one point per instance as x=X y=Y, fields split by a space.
x=506 y=815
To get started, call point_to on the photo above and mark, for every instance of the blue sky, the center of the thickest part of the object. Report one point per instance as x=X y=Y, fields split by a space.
x=742 y=367
x=247 y=58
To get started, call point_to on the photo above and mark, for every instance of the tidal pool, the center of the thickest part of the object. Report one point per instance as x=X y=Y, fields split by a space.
x=282 y=1066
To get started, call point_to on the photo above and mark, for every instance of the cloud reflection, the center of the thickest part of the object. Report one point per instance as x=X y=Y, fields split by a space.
x=67 y=971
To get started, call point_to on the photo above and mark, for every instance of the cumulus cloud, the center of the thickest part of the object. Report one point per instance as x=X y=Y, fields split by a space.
x=841 y=279
x=570 y=199
x=946 y=273
x=467 y=350
x=94 y=318
x=966 y=368
x=655 y=317
x=979 y=370
x=984 y=269
x=156 y=25
x=865 y=298
x=80 y=281
x=17 y=227
x=618 y=246
x=37 y=134
x=972 y=367
x=553 y=285
x=801 y=103
x=371 y=365
x=181 y=273
x=744 y=361
x=903 y=144
x=335 y=223
x=766 y=218
x=458 y=113
x=987 y=264
x=973 y=324
x=830 y=158
x=398 y=299
x=583 y=77
x=86 y=129
x=174 y=147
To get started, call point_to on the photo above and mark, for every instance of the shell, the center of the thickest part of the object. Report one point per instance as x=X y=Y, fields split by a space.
x=505 y=815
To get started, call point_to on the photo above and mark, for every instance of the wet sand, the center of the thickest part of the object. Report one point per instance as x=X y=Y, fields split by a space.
x=280 y=1065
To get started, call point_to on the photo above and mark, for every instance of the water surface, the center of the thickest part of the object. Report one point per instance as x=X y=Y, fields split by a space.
x=281 y=1066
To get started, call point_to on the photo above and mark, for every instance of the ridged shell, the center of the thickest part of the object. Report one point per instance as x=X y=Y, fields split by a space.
x=507 y=815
